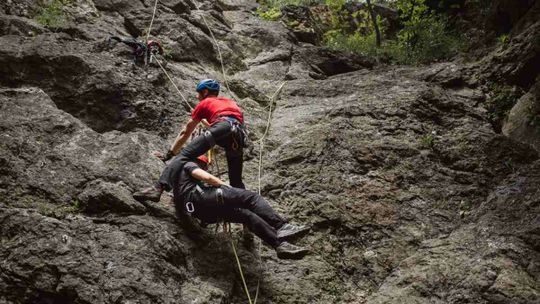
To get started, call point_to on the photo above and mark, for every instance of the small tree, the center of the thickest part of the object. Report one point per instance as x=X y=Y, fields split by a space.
x=375 y=25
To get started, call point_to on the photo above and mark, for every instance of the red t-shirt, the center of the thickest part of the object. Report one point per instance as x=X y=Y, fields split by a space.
x=213 y=107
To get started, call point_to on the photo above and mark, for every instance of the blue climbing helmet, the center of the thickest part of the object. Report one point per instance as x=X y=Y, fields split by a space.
x=209 y=84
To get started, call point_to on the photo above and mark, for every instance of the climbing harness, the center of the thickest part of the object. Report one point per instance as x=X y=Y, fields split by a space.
x=239 y=133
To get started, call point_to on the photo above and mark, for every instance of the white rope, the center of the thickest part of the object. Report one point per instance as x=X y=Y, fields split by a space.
x=261 y=149
x=218 y=50
x=172 y=82
x=270 y=111
x=261 y=141
x=151 y=21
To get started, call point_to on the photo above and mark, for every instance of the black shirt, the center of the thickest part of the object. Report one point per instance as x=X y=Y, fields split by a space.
x=186 y=182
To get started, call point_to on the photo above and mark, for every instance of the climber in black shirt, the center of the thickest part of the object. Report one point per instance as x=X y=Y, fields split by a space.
x=220 y=202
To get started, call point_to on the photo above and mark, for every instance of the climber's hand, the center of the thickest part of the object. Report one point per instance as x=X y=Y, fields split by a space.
x=164 y=157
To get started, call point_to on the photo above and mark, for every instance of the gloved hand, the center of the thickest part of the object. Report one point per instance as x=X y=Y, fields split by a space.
x=164 y=157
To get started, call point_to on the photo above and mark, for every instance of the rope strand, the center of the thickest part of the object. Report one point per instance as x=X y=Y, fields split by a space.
x=172 y=82
x=151 y=21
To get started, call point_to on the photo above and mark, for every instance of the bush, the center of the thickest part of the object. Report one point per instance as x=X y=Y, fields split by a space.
x=500 y=101
x=503 y=39
x=271 y=14
x=426 y=41
x=356 y=43
x=424 y=38
x=53 y=15
x=277 y=4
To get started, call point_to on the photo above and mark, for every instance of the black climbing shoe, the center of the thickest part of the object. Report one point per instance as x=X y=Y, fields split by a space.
x=149 y=194
x=289 y=232
x=288 y=251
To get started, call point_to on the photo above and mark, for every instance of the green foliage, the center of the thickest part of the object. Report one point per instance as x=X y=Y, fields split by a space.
x=335 y=5
x=53 y=15
x=356 y=43
x=501 y=100
x=272 y=13
x=428 y=141
x=271 y=9
x=75 y=204
x=503 y=39
x=361 y=41
x=58 y=211
x=426 y=40
x=425 y=36
x=167 y=51
x=280 y=3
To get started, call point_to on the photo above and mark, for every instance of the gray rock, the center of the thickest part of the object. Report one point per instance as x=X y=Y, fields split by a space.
x=411 y=194
x=523 y=122
x=100 y=196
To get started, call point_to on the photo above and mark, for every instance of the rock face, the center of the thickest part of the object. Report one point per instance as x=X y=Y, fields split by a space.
x=523 y=122
x=412 y=196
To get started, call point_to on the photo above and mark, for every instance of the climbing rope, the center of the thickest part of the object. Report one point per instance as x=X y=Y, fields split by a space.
x=173 y=83
x=218 y=50
x=231 y=93
x=261 y=149
x=211 y=153
x=261 y=141
x=151 y=21
x=273 y=99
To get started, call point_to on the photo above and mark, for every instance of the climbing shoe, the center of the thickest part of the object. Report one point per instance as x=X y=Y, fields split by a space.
x=288 y=251
x=289 y=232
x=149 y=194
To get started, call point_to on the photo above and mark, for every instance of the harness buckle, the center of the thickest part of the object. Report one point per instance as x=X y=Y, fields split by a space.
x=190 y=207
x=219 y=197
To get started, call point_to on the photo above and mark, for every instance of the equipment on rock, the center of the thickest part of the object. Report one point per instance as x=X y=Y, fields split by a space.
x=209 y=84
x=142 y=52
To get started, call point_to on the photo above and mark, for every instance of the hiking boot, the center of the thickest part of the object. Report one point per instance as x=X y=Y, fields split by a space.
x=149 y=194
x=289 y=232
x=288 y=251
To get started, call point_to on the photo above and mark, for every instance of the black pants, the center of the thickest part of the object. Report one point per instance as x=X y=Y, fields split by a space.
x=220 y=133
x=236 y=206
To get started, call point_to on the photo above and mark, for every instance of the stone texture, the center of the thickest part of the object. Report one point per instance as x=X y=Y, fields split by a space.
x=411 y=194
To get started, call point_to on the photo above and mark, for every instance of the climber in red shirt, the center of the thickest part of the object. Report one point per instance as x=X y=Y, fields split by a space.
x=226 y=130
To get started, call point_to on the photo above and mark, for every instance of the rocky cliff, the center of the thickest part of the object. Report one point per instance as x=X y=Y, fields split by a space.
x=412 y=194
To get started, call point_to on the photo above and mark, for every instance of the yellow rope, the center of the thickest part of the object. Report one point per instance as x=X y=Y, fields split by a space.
x=261 y=148
x=151 y=21
x=261 y=141
x=241 y=273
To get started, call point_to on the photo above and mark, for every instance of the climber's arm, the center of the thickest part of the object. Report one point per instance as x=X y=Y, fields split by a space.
x=184 y=135
x=206 y=177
